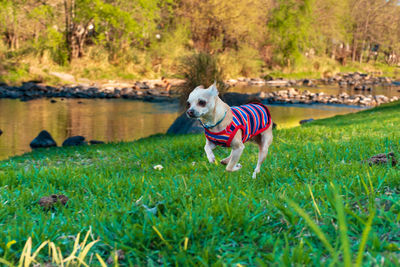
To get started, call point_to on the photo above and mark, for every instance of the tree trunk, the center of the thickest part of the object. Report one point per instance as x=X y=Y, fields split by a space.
x=362 y=50
x=354 y=51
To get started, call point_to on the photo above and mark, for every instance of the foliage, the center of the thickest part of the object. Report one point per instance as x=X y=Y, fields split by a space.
x=314 y=203
x=200 y=69
x=290 y=30
x=148 y=37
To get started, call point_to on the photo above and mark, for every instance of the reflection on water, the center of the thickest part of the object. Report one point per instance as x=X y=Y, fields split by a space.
x=111 y=120
x=106 y=120
x=289 y=115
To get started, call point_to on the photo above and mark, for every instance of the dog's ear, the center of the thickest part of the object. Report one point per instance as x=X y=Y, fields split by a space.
x=213 y=89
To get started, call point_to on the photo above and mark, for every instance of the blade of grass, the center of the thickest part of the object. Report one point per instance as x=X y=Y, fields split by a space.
x=7 y=263
x=313 y=199
x=364 y=239
x=312 y=225
x=342 y=228
x=102 y=263
x=161 y=237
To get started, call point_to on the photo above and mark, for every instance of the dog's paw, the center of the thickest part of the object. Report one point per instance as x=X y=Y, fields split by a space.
x=235 y=168
x=225 y=161
x=256 y=171
x=211 y=160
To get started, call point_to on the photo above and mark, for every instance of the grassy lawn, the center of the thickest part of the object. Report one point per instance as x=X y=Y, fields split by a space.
x=314 y=203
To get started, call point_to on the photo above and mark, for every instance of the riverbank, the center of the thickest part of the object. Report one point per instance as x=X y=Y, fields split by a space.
x=168 y=90
x=314 y=199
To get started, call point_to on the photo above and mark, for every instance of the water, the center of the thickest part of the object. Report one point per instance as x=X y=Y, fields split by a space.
x=112 y=120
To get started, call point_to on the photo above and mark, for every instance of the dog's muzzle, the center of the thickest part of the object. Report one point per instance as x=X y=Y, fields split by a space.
x=190 y=113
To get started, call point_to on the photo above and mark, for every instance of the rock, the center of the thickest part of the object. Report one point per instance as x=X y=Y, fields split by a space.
x=1 y=132
x=49 y=202
x=256 y=82
x=53 y=101
x=185 y=125
x=306 y=121
x=342 y=83
x=236 y=99
x=382 y=159
x=27 y=86
x=307 y=82
x=277 y=83
x=74 y=141
x=96 y=142
x=43 y=140
x=394 y=98
x=268 y=77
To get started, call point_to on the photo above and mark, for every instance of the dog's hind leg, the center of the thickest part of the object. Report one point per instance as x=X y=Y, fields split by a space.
x=264 y=142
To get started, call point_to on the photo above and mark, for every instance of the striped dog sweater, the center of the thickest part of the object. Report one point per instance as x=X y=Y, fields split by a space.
x=252 y=119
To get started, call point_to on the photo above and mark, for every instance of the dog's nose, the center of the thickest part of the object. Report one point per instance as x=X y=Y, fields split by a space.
x=190 y=112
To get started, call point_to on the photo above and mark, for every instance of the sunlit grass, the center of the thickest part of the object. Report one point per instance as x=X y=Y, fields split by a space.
x=314 y=203
x=55 y=256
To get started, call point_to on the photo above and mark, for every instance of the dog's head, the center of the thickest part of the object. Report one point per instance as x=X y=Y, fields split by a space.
x=201 y=101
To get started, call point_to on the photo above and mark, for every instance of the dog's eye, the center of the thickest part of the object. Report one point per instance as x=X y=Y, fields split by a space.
x=202 y=103
x=187 y=105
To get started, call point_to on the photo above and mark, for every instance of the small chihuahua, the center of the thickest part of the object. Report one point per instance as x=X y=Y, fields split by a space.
x=222 y=124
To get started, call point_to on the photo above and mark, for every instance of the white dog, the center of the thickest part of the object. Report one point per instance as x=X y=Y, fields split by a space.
x=222 y=124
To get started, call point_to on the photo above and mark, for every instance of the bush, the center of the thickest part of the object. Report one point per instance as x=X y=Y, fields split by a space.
x=200 y=69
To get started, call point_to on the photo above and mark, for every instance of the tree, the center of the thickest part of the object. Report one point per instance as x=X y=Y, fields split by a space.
x=290 y=30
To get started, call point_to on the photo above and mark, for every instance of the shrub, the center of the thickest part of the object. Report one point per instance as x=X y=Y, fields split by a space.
x=200 y=69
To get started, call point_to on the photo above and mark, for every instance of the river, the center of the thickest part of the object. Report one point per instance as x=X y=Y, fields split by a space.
x=113 y=120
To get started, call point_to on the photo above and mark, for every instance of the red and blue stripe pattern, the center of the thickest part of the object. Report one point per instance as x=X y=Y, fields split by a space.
x=251 y=118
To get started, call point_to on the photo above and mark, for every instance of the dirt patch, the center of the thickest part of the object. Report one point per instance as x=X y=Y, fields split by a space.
x=49 y=202
x=382 y=159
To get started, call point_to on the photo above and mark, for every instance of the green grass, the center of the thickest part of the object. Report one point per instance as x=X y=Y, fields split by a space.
x=314 y=203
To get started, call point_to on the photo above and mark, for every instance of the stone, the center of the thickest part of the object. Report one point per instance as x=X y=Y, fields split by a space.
x=74 y=141
x=28 y=86
x=236 y=99
x=185 y=125
x=306 y=121
x=307 y=82
x=277 y=83
x=268 y=77
x=43 y=140
x=96 y=142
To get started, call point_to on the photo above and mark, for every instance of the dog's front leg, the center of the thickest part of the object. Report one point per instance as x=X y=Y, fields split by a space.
x=237 y=149
x=209 y=147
